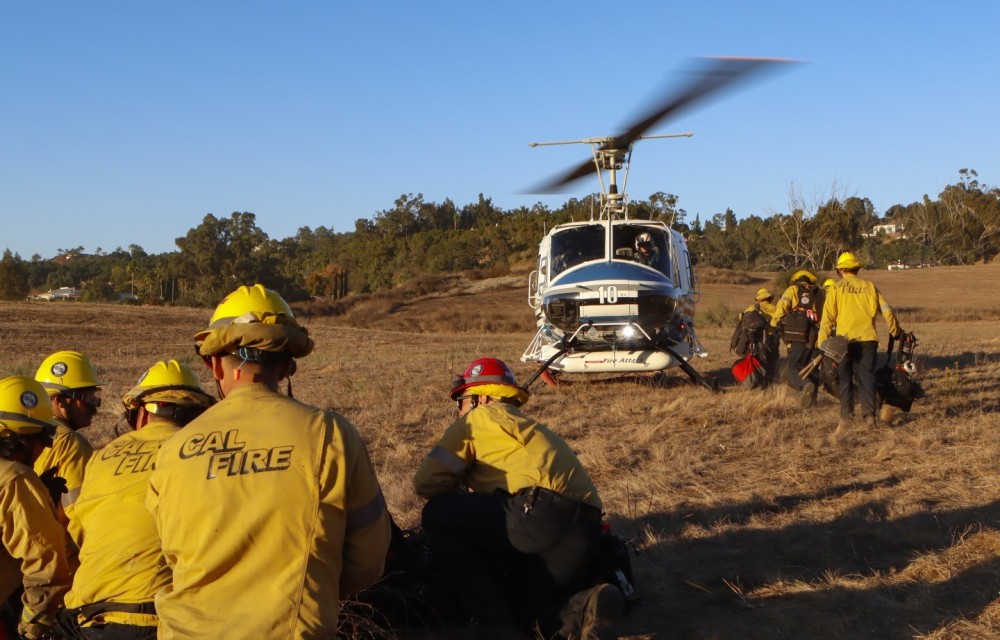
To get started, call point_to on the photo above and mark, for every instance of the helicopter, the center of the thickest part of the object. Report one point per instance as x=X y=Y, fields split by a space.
x=615 y=294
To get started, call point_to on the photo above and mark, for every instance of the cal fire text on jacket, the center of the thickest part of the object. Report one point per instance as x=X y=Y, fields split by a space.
x=228 y=455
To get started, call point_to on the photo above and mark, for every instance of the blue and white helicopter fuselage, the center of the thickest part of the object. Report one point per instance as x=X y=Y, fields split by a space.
x=602 y=305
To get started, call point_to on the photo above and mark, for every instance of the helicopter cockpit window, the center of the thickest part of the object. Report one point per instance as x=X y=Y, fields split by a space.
x=576 y=246
x=645 y=245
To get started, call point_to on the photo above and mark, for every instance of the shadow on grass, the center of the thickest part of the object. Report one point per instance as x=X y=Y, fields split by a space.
x=704 y=580
x=962 y=360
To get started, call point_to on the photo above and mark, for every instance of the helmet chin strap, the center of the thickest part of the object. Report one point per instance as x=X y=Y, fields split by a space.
x=238 y=372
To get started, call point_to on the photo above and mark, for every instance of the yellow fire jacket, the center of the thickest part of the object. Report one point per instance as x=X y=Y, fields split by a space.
x=120 y=558
x=495 y=446
x=269 y=512
x=766 y=309
x=70 y=452
x=852 y=306
x=34 y=544
x=789 y=298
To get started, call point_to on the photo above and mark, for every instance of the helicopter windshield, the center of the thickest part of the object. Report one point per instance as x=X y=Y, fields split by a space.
x=645 y=245
x=577 y=245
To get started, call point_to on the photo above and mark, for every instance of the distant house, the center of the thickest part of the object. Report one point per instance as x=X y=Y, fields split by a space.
x=66 y=257
x=62 y=293
x=889 y=229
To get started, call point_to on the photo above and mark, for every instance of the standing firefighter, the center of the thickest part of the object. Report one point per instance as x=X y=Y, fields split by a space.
x=797 y=317
x=71 y=381
x=752 y=336
x=268 y=509
x=121 y=565
x=515 y=549
x=34 y=544
x=850 y=312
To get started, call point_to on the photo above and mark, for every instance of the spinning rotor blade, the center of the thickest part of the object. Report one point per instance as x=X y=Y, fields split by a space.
x=716 y=74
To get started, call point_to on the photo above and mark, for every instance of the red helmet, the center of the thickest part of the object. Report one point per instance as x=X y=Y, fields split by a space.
x=492 y=378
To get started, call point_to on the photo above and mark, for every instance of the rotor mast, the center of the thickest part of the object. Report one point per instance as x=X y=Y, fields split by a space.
x=612 y=157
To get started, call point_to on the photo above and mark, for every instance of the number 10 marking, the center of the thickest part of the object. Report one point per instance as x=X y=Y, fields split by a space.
x=609 y=294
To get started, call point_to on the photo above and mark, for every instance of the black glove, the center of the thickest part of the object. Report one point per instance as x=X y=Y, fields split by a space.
x=55 y=484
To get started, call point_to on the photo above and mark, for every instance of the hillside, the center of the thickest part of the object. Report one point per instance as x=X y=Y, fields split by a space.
x=754 y=519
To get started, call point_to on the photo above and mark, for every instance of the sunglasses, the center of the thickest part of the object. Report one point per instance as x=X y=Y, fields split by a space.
x=90 y=397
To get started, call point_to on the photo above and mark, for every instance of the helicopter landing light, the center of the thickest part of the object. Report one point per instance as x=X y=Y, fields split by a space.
x=628 y=331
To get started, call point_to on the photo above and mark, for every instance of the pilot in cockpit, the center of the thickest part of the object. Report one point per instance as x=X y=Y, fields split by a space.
x=646 y=251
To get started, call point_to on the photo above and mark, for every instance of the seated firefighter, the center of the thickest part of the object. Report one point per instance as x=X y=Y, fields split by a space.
x=121 y=564
x=268 y=509
x=33 y=552
x=72 y=384
x=513 y=520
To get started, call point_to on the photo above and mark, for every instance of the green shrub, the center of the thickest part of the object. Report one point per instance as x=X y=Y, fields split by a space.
x=718 y=315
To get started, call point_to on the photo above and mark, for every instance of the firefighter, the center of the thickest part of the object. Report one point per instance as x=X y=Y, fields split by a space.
x=796 y=317
x=121 y=565
x=515 y=546
x=34 y=543
x=850 y=311
x=764 y=303
x=646 y=251
x=268 y=509
x=74 y=391
x=827 y=368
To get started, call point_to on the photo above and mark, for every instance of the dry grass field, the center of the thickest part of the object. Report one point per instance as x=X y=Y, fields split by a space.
x=754 y=519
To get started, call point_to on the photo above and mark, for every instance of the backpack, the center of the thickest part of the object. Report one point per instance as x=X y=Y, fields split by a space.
x=802 y=322
x=897 y=388
x=749 y=331
x=749 y=371
x=895 y=385
x=614 y=566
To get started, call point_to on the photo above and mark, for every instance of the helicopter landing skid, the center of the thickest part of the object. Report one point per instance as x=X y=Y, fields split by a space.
x=692 y=373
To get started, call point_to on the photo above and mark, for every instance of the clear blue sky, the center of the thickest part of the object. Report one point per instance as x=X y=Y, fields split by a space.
x=126 y=122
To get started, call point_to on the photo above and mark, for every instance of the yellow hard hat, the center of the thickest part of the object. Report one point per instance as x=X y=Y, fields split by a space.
x=829 y=282
x=848 y=261
x=803 y=273
x=253 y=318
x=65 y=371
x=168 y=381
x=24 y=407
x=762 y=295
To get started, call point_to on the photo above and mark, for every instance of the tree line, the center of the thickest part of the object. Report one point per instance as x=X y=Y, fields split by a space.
x=416 y=238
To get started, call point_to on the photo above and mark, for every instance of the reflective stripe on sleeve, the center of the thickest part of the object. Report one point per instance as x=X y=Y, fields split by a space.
x=451 y=462
x=366 y=514
x=70 y=497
